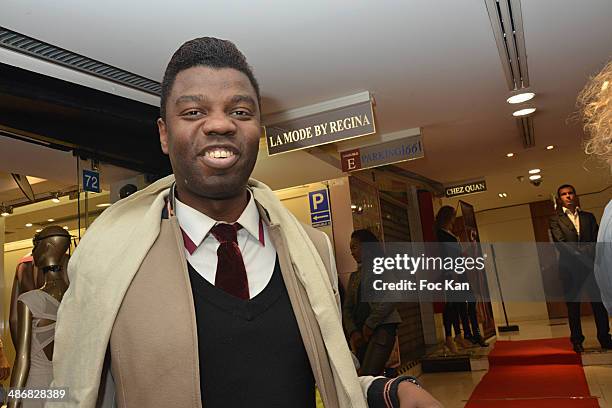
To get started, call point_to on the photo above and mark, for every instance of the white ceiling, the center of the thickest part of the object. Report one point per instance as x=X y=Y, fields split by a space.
x=429 y=64
x=57 y=168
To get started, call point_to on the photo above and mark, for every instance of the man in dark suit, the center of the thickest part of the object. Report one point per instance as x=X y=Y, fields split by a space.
x=575 y=232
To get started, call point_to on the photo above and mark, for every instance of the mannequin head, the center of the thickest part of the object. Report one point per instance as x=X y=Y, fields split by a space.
x=50 y=245
x=445 y=217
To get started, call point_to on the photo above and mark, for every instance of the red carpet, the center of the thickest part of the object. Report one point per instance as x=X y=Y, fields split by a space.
x=533 y=373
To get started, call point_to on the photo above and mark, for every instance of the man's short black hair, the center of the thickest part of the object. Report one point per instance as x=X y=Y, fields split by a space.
x=565 y=186
x=207 y=52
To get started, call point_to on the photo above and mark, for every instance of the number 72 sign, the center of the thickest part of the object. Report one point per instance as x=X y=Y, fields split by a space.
x=91 y=181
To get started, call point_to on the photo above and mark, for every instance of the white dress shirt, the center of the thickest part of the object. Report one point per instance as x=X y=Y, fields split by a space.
x=259 y=256
x=574 y=217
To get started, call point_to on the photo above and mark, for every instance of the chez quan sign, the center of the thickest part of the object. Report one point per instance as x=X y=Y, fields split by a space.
x=466 y=188
x=394 y=151
x=321 y=128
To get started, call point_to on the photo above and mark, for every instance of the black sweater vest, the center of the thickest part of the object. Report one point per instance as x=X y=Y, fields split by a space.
x=251 y=352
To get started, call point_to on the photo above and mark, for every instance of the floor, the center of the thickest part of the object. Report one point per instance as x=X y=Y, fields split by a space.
x=454 y=389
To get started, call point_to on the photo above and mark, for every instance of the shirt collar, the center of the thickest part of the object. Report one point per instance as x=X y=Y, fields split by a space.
x=197 y=225
x=568 y=211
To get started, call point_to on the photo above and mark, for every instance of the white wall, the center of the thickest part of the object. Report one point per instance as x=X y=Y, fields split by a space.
x=342 y=218
x=596 y=202
x=518 y=270
x=295 y=199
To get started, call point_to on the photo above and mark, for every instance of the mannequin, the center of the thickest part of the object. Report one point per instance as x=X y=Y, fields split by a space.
x=27 y=278
x=37 y=311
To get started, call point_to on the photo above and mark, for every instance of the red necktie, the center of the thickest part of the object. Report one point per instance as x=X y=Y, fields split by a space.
x=231 y=273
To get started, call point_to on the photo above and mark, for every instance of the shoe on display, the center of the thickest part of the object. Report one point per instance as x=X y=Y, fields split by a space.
x=462 y=342
x=450 y=344
x=607 y=345
x=479 y=340
x=578 y=347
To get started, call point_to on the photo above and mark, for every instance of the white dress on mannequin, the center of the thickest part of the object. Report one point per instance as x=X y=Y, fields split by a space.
x=42 y=306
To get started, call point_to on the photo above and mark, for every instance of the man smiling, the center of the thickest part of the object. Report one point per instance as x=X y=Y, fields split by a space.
x=202 y=289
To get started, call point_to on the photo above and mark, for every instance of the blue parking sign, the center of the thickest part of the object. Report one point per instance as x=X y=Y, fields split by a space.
x=320 y=214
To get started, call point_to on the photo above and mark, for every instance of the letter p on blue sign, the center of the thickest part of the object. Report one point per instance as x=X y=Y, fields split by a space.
x=319 y=208
x=319 y=201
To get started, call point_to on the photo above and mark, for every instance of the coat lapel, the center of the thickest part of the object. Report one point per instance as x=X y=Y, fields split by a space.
x=307 y=323
x=583 y=227
x=154 y=335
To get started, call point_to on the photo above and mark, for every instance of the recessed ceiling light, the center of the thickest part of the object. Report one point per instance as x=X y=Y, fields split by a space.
x=535 y=177
x=65 y=227
x=510 y=154
x=29 y=224
x=502 y=195
x=534 y=171
x=519 y=98
x=50 y=220
x=39 y=230
x=524 y=112
x=103 y=205
x=550 y=147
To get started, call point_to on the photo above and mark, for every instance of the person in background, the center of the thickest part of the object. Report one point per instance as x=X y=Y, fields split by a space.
x=595 y=103
x=450 y=248
x=370 y=326
x=574 y=231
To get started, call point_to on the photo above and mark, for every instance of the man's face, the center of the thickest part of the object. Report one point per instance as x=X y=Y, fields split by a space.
x=567 y=195
x=211 y=131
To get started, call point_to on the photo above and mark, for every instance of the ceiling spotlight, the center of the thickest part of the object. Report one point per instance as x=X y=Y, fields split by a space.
x=39 y=230
x=534 y=171
x=29 y=224
x=550 y=147
x=103 y=205
x=524 y=112
x=510 y=154
x=535 y=177
x=521 y=97
x=65 y=227
x=50 y=220
x=55 y=198
x=502 y=195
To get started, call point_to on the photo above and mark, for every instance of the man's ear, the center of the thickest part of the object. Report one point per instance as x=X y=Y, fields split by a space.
x=163 y=135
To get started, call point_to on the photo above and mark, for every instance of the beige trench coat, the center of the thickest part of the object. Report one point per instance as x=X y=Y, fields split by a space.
x=130 y=299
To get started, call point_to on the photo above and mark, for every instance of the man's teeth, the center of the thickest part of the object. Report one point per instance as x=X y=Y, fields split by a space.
x=219 y=154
